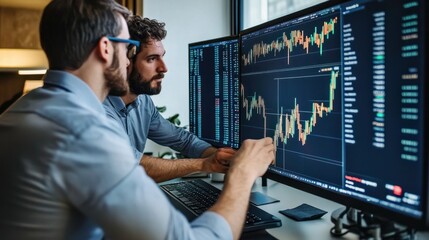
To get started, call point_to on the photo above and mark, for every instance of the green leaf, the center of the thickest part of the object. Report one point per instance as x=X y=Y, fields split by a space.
x=161 y=109
x=174 y=119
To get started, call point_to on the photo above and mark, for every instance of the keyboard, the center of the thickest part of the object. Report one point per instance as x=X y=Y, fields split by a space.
x=194 y=197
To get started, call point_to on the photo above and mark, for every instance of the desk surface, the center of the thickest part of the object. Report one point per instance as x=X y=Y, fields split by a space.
x=306 y=230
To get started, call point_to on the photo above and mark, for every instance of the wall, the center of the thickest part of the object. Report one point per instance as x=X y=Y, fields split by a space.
x=19 y=29
x=186 y=21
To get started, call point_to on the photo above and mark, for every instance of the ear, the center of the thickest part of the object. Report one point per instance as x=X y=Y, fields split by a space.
x=104 y=49
x=130 y=67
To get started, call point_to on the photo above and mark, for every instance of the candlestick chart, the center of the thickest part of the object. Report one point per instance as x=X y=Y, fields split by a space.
x=296 y=99
x=285 y=41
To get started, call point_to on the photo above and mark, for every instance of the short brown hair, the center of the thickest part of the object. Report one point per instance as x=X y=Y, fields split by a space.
x=70 y=29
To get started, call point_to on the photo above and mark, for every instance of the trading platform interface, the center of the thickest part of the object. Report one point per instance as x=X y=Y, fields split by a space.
x=341 y=92
x=214 y=91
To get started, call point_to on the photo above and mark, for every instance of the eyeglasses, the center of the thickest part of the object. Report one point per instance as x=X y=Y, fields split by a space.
x=133 y=45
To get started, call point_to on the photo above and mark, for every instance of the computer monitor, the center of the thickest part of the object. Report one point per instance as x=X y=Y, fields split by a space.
x=342 y=88
x=214 y=91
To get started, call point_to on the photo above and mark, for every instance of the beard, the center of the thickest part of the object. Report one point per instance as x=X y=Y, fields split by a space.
x=115 y=80
x=138 y=85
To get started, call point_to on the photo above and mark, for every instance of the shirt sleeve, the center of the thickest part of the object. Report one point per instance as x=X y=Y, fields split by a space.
x=165 y=133
x=207 y=228
x=98 y=175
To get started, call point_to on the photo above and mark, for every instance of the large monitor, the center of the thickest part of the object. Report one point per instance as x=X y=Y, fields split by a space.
x=214 y=91
x=342 y=88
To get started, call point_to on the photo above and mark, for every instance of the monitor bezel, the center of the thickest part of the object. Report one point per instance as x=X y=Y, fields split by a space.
x=422 y=223
x=213 y=40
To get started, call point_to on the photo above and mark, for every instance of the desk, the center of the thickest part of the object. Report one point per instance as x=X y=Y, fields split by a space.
x=307 y=230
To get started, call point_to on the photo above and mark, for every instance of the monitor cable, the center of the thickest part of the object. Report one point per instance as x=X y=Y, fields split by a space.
x=338 y=230
x=368 y=226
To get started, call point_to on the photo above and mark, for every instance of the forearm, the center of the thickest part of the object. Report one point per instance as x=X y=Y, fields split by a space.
x=208 y=152
x=160 y=169
x=233 y=202
x=250 y=162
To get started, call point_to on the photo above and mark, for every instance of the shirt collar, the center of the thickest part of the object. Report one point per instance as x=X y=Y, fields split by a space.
x=73 y=84
x=119 y=104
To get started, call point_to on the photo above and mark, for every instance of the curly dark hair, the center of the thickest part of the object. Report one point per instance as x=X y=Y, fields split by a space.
x=145 y=29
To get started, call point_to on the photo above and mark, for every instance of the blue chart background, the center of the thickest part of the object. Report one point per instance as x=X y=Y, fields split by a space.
x=279 y=83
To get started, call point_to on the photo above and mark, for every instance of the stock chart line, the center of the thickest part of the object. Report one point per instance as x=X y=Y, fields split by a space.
x=293 y=125
x=292 y=122
x=256 y=103
x=296 y=37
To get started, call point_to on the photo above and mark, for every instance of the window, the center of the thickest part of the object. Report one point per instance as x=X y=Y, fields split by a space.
x=255 y=12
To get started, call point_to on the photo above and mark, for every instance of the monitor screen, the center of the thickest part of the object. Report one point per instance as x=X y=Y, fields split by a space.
x=214 y=91
x=341 y=88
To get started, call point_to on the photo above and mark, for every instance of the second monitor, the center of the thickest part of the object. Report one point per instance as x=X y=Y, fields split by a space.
x=213 y=91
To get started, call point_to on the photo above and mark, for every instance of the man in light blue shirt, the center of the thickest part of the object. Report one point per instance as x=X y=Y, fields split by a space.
x=138 y=115
x=68 y=172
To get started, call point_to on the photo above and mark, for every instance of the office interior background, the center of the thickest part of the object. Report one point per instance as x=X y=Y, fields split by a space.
x=186 y=21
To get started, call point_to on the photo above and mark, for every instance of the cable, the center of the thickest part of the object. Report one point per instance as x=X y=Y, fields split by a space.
x=368 y=226
x=337 y=229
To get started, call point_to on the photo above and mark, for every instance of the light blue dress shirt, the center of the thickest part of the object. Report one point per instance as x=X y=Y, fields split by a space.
x=68 y=172
x=141 y=120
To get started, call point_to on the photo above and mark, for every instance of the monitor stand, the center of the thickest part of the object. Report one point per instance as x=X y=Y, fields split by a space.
x=367 y=226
